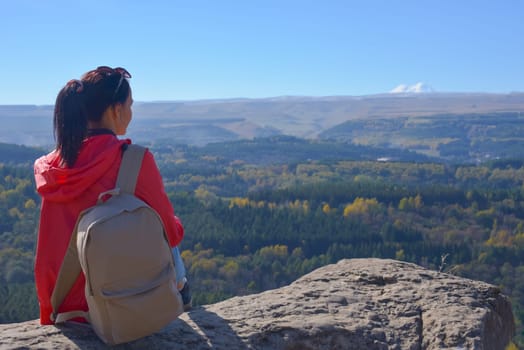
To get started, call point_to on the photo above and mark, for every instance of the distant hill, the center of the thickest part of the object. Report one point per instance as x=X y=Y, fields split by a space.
x=457 y=137
x=206 y=121
x=15 y=154
x=292 y=150
x=308 y=116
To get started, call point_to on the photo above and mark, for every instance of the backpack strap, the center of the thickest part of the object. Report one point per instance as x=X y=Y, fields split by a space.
x=70 y=268
x=67 y=276
x=130 y=168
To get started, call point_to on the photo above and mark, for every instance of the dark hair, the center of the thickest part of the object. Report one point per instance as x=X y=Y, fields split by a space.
x=85 y=100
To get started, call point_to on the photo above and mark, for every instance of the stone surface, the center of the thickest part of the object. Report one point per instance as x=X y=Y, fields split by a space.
x=354 y=304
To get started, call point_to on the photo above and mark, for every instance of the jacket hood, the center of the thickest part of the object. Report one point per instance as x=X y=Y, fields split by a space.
x=57 y=183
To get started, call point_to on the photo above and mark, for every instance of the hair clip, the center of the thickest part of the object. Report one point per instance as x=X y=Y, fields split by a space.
x=78 y=83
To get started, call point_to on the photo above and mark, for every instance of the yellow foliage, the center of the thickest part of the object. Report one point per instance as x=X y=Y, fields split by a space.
x=207 y=266
x=245 y=202
x=204 y=194
x=230 y=269
x=295 y=205
x=398 y=224
x=403 y=204
x=487 y=212
x=198 y=247
x=361 y=206
x=299 y=205
x=297 y=253
x=418 y=201
x=476 y=173
x=326 y=208
x=197 y=178
x=410 y=203
x=14 y=212
x=362 y=178
x=501 y=238
x=238 y=202
x=482 y=257
x=203 y=254
x=187 y=257
x=30 y=204
x=274 y=251
x=305 y=206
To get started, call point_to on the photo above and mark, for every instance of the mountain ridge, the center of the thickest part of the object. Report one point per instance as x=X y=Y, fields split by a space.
x=284 y=98
x=300 y=116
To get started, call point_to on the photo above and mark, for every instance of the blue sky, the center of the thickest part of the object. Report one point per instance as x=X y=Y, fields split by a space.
x=188 y=50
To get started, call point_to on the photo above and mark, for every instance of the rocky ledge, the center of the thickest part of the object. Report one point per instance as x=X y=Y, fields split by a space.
x=354 y=304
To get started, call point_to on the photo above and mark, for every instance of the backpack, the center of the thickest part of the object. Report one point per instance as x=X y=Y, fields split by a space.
x=121 y=247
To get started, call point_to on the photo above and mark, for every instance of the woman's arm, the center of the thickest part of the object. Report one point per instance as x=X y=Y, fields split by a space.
x=150 y=188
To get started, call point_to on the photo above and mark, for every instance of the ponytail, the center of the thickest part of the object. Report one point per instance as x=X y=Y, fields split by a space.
x=84 y=101
x=70 y=121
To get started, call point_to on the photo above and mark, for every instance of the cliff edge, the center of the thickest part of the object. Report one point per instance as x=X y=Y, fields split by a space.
x=354 y=304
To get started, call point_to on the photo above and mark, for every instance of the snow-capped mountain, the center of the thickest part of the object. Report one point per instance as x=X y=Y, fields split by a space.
x=416 y=88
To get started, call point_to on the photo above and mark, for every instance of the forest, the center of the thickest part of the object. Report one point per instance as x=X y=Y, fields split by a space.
x=456 y=137
x=259 y=214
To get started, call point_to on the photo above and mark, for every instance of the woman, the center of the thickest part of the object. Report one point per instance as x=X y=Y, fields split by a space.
x=89 y=114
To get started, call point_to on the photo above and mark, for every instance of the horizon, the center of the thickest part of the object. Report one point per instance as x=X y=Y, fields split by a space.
x=299 y=97
x=235 y=50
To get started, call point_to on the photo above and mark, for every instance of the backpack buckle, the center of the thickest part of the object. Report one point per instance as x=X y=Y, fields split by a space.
x=102 y=197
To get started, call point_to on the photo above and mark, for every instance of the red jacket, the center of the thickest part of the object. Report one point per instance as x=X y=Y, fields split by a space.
x=68 y=191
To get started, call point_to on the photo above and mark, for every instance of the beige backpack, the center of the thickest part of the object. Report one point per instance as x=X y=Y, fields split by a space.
x=121 y=247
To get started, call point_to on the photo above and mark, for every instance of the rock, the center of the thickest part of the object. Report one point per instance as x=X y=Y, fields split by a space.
x=354 y=304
